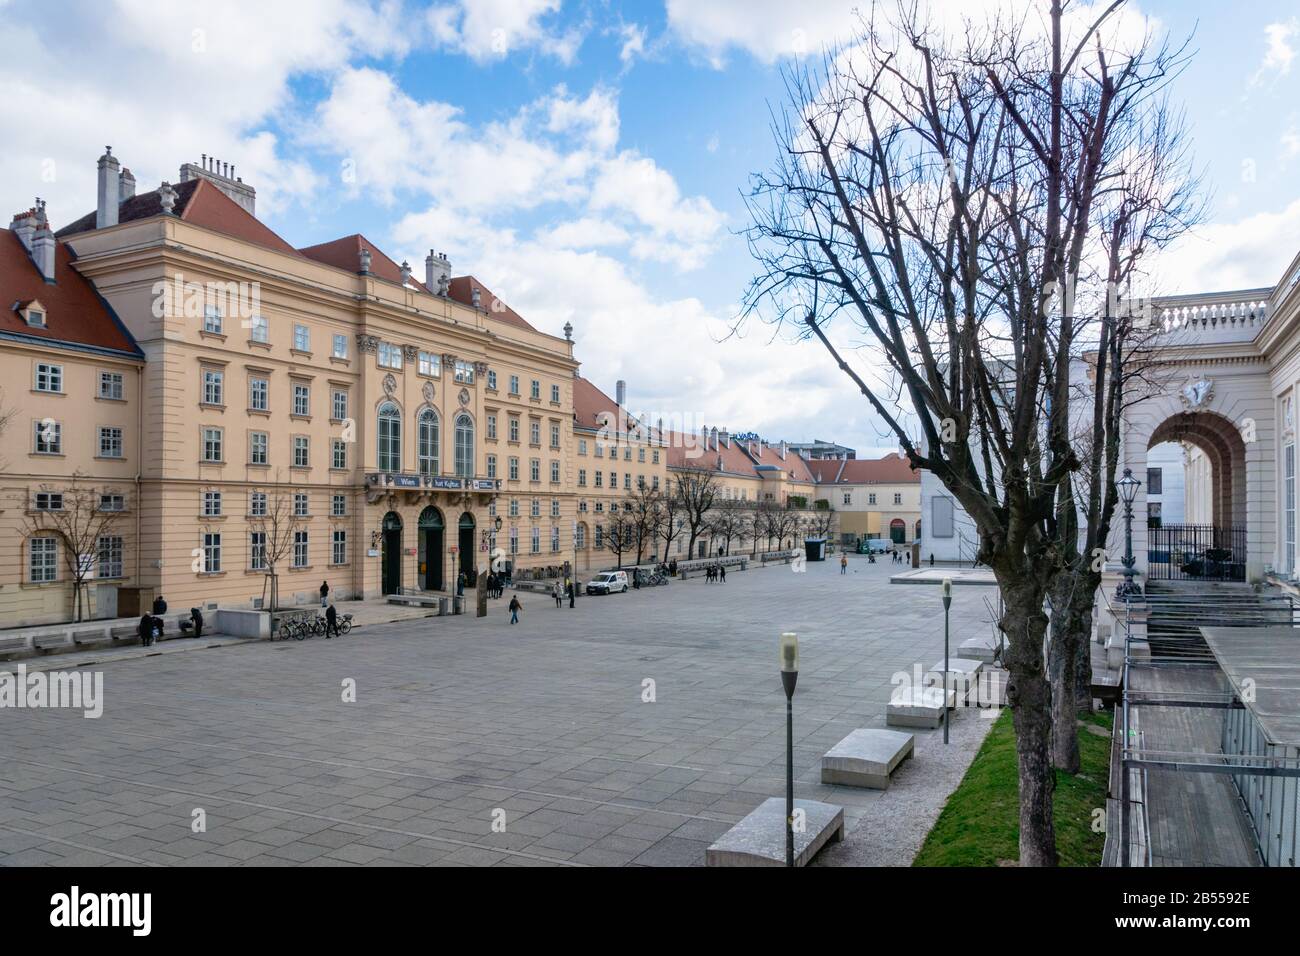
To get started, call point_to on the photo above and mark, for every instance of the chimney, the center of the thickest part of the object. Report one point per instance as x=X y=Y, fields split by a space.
x=784 y=448
x=437 y=273
x=406 y=272
x=43 y=245
x=222 y=175
x=125 y=185
x=24 y=225
x=725 y=437
x=620 y=392
x=109 y=181
x=365 y=262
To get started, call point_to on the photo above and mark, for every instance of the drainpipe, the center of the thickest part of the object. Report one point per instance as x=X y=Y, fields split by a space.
x=139 y=460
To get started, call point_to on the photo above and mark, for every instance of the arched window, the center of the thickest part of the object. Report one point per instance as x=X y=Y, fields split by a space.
x=429 y=442
x=464 y=446
x=390 y=438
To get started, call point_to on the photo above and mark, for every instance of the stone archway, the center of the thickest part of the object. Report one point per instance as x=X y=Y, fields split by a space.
x=1223 y=446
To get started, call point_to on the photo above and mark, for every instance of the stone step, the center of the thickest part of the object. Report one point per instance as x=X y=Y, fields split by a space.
x=759 y=839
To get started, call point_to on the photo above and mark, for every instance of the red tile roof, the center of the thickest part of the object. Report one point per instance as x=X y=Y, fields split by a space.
x=892 y=469
x=345 y=253
x=462 y=290
x=734 y=457
x=197 y=201
x=589 y=402
x=74 y=312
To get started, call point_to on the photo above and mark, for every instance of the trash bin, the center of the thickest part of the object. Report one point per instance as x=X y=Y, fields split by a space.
x=458 y=606
x=443 y=607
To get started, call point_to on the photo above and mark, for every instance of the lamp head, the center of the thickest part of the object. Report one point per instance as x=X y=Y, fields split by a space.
x=947 y=592
x=1128 y=487
x=789 y=653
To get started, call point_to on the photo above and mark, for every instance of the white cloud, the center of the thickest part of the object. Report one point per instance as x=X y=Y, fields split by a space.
x=486 y=30
x=1280 y=52
x=1246 y=254
x=633 y=43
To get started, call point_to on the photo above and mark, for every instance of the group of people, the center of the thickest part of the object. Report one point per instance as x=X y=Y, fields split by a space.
x=151 y=626
x=496 y=584
x=716 y=572
x=560 y=591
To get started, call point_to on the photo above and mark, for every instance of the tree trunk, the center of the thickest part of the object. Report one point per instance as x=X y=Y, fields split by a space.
x=1063 y=652
x=1031 y=696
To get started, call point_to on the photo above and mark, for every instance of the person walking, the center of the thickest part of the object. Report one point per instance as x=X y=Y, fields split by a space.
x=572 y=591
x=145 y=630
x=332 y=622
x=722 y=573
x=196 y=616
x=558 y=593
x=460 y=584
x=844 y=564
x=324 y=593
x=514 y=609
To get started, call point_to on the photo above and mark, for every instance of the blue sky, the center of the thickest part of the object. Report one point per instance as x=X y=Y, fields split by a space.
x=584 y=159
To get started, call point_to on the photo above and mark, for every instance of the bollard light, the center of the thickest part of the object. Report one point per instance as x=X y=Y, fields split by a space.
x=789 y=674
x=947 y=593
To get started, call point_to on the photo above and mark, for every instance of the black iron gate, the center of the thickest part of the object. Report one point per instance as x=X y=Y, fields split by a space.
x=1192 y=552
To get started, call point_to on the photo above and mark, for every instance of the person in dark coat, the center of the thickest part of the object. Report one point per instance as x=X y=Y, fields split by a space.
x=722 y=573
x=159 y=605
x=196 y=616
x=145 y=630
x=331 y=622
x=514 y=609
x=460 y=584
x=324 y=593
x=572 y=591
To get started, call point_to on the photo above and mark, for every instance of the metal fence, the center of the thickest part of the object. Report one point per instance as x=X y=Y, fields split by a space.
x=1196 y=552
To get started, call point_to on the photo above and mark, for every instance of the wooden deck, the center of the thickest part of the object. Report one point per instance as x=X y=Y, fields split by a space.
x=1191 y=818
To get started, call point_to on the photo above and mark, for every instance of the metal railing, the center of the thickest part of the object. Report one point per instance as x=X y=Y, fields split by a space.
x=1196 y=552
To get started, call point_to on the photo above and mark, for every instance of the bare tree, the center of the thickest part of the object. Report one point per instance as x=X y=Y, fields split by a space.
x=620 y=533
x=75 y=517
x=939 y=192
x=821 y=521
x=696 y=489
x=645 y=508
x=671 y=509
x=759 y=524
x=278 y=525
x=727 y=522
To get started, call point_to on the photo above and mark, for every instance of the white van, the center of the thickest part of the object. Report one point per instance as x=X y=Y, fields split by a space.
x=608 y=582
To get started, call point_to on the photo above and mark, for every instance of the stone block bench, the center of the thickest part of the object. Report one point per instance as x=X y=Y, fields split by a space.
x=983 y=649
x=759 y=839
x=866 y=758
x=53 y=640
x=963 y=672
x=918 y=707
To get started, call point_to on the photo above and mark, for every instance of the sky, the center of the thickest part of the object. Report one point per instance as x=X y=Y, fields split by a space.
x=585 y=159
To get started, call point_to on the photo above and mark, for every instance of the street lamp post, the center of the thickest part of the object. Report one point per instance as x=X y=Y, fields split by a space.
x=573 y=577
x=1128 y=487
x=789 y=675
x=947 y=603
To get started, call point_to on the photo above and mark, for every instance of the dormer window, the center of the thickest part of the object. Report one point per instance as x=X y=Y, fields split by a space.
x=32 y=312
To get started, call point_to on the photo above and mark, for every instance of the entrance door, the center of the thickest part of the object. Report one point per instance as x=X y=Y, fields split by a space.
x=391 y=557
x=431 y=544
x=466 y=547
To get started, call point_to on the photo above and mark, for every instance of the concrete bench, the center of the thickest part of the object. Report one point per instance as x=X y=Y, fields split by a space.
x=52 y=640
x=983 y=648
x=866 y=758
x=124 y=632
x=759 y=839
x=15 y=645
x=91 y=635
x=918 y=707
x=962 y=674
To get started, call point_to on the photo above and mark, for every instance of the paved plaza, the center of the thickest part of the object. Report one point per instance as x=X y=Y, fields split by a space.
x=473 y=742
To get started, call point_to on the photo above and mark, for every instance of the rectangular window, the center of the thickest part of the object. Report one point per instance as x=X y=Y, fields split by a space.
x=339 y=453
x=582 y=446
x=110 y=386
x=340 y=346
x=491 y=466
x=258 y=330
x=536 y=542
x=109 y=551
x=514 y=384
x=941 y=517
x=514 y=428
x=555 y=507
x=555 y=539
x=555 y=472
x=212 y=444
x=898 y=498
x=257 y=504
x=339 y=404
x=43 y=563
x=640 y=455
x=534 y=469
x=257 y=448
x=513 y=473
x=871 y=499
x=600 y=536
x=300 y=549
x=389 y=355
x=534 y=433
x=600 y=478
x=848 y=497
x=339 y=549
x=514 y=541
x=259 y=391
x=213 y=387
x=1288 y=506
x=535 y=389
x=112 y=503
x=429 y=364
x=300 y=504
x=211 y=504
x=212 y=553
x=514 y=507
x=535 y=508
x=339 y=506
x=1155 y=481
x=110 y=443
x=492 y=380
x=49 y=501
x=627 y=481
x=491 y=426
x=464 y=373
x=654 y=457
x=627 y=454
x=582 y=477
x=212 y=319
x=301 y=452
x=301 y=338
x=257 y=550
x=49 y=378
x=301 y=400
x=555 y=394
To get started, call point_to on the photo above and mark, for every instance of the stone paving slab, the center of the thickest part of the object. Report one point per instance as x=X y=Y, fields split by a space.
x=537 y=744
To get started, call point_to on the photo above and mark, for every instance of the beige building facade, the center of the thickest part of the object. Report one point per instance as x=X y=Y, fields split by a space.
x=878 y=498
